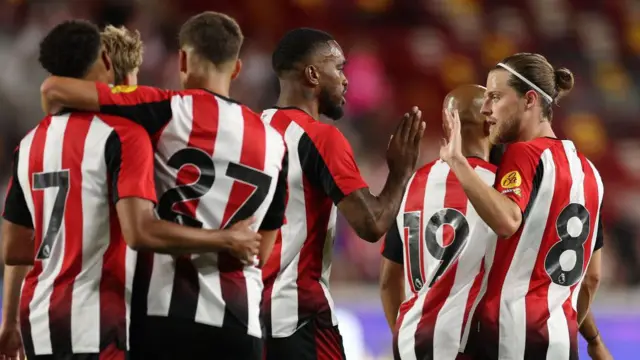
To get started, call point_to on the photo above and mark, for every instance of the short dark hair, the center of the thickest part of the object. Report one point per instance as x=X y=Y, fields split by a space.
x=215 y=36
x=71 y=48
x=555 y=82
x=295 y=46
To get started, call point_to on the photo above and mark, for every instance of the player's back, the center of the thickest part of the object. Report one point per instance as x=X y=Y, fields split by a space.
x=441 y=241
x=529 y=308
x=216 y=163
x=322 y=172
x=75 y=298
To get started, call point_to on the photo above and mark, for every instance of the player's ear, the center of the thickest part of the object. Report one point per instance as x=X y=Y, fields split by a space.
x=237 y=69
x=182 y=61
x=312 y=75
x=530 y=99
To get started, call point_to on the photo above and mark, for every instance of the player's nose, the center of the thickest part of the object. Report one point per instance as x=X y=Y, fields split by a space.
x=486 y=108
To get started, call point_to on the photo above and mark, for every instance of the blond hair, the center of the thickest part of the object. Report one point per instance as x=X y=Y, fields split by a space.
x=125 y=49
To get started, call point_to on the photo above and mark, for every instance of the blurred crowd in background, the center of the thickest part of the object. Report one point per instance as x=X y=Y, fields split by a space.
x=400 y=53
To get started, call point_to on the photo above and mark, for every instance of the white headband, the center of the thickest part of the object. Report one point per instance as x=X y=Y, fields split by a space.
x=533 y=86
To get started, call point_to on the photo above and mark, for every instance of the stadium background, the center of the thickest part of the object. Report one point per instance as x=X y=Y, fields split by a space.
x=401 y=53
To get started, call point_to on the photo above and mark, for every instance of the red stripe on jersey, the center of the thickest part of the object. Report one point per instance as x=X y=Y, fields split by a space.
x=415 y=202
x=271 y=267
x=311 y=300
x=233 y=284
x=454 y=198
x=62 y=295
x=35 y=166
x=184 y=298
x=112 y=283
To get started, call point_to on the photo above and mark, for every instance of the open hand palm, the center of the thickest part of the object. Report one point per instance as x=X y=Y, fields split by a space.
x=451 y=146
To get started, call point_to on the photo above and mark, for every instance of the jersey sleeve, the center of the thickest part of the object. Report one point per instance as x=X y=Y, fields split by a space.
x=275 y=214
x=129 y=158
x=599 y=236
x=518 y=174
x=392 y=245
x=147 y=106
x=15 y=205
x=327 y=162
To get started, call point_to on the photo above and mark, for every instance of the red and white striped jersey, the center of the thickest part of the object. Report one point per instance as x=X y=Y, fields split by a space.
x=216 y=163
x=68 y=174
x=322 y=171
x=441 y=241
x=527 y=302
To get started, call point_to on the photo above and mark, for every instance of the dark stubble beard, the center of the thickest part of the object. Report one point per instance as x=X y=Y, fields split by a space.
x=328 y=107
x=507 y=131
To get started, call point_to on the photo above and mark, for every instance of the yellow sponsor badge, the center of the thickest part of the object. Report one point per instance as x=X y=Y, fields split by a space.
x=123 y=89
x=511 y=180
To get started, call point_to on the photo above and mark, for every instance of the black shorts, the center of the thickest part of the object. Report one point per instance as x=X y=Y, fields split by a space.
x=162 y=338
x=110 y=353
x=310 y=342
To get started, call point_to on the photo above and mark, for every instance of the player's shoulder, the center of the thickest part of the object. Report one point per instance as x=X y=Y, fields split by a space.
x=531 y=149
x=119 y=125
x=426 y=168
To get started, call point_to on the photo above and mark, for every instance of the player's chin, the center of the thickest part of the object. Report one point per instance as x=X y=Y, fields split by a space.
x=335 y=112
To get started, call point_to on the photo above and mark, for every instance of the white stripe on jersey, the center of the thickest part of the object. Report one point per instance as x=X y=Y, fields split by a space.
x=516 y=283
x=95 y=239
x=23 y=172
x=39 y=306
x=284 y=298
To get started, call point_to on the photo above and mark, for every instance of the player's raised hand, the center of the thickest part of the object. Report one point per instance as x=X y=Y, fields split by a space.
x=244 y=242
x=10 y=343
x=452 y=143
x=404 y=146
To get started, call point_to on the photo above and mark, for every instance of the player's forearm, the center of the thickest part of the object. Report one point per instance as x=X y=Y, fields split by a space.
x=500 y=213
x=589 y=330
x=391 y=289
x=391 y=295
x=13 y=278
x=585 y=298
x=168 y=238
x=68 y=92
x=372 y=216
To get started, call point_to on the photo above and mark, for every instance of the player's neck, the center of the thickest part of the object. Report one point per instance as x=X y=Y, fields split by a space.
x=217 y=83
x=292 y=96
x=479 y=148
x=541 y=129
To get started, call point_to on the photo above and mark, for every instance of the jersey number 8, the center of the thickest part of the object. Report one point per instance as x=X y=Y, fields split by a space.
x=446 y=254
x=573 y=226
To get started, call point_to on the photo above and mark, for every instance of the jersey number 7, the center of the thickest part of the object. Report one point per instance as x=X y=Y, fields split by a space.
x=445 y=254
x=42 y=181
x=201 y=160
